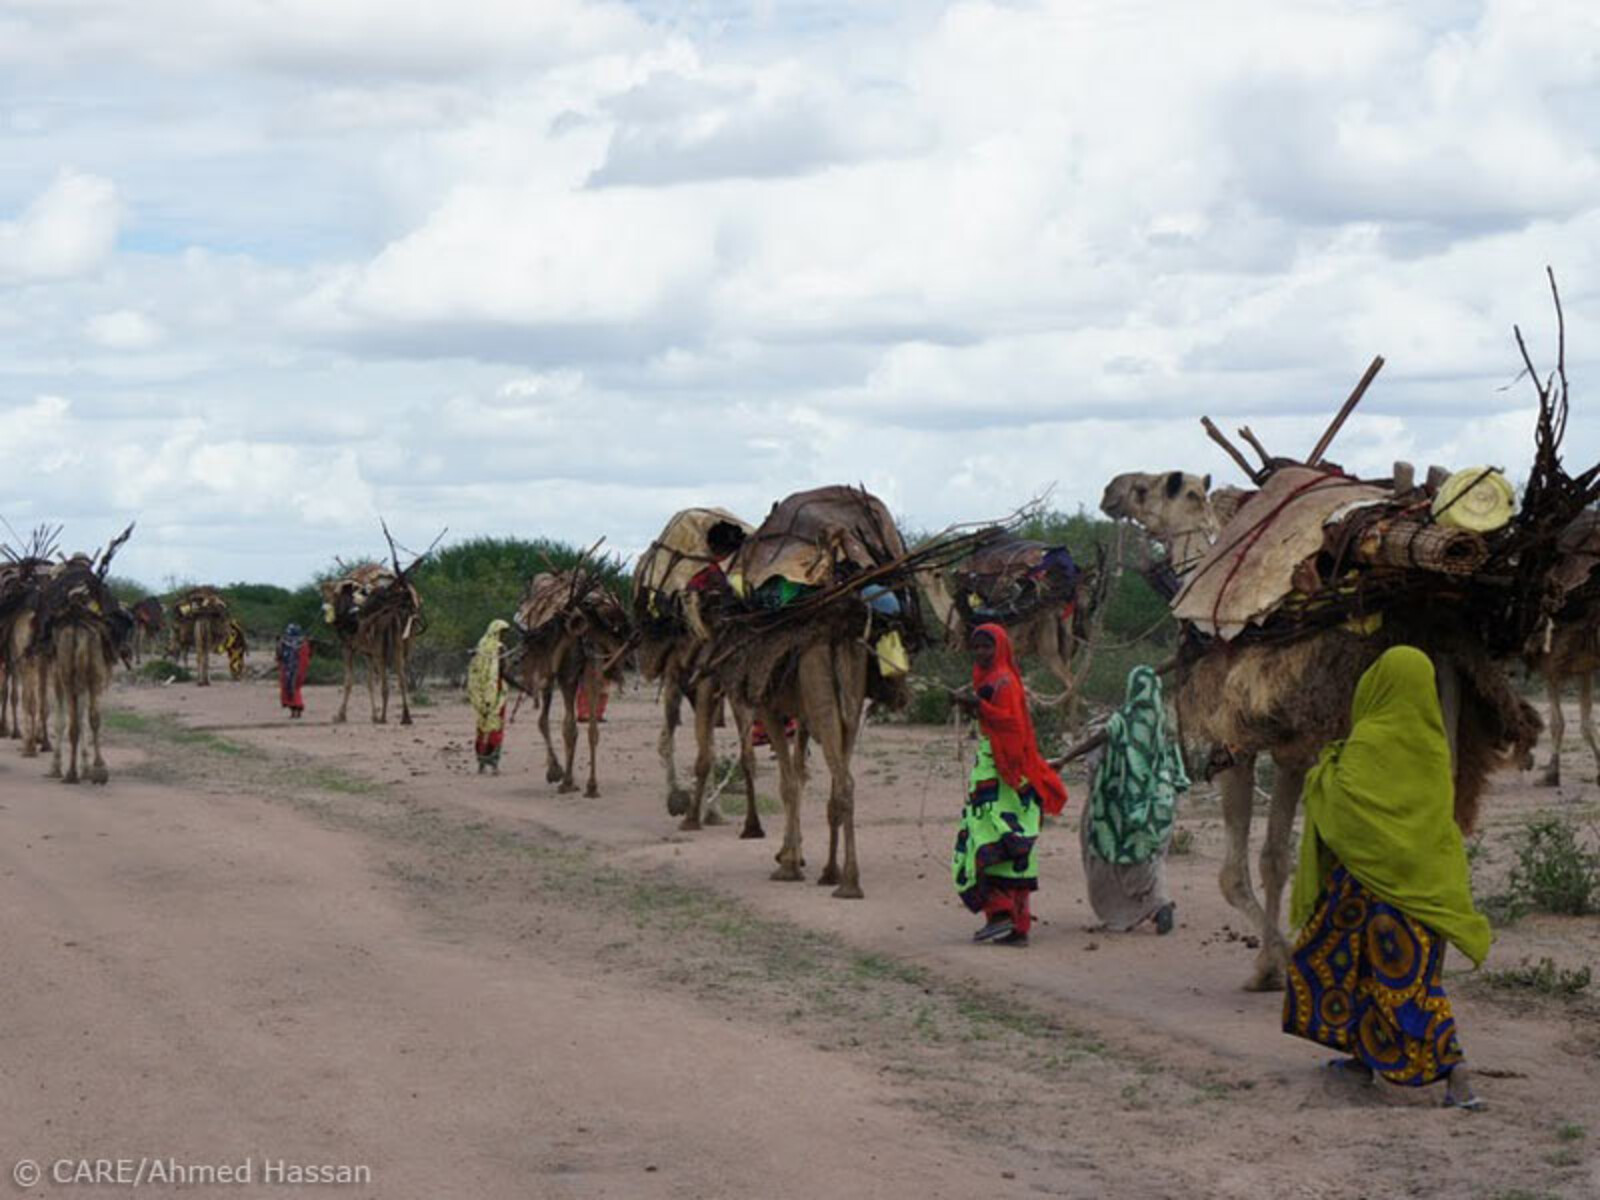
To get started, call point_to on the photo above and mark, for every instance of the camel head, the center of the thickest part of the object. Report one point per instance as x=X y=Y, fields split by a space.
x=1171 y=506
x=1165 y=504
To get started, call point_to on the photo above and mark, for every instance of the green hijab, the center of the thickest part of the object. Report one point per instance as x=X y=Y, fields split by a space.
x=1135 y=793
x=1382 y=802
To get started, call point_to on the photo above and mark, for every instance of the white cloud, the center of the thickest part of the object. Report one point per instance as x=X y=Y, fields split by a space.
x=124 y=329
x=565 y=267
x=67 y=230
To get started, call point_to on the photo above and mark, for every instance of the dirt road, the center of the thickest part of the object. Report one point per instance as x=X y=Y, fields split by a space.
x=305 y=945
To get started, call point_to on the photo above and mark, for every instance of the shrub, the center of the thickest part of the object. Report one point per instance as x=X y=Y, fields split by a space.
x=1554 y=873
x=1543 y=977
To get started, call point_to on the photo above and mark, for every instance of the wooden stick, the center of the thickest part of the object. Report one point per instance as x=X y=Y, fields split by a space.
x=1217 y=436
x=1244 y=432
x=1089 y=744
x=1344 y=413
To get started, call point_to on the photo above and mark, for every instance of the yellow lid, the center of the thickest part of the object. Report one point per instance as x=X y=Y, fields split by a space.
x=1479 y=499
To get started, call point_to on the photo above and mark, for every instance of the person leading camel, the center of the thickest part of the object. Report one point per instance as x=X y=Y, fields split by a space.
x=486 y=691
x=995 y=868
x=1127 y=824
x=294 y=664
x=1381 y=886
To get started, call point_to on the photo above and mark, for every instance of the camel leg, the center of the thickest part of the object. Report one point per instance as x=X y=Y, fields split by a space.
x=349 y=654
x=552 y=768
x=375 y=667
x=666 y=745
x=1277 y=865
x=202 y=650
x=833 y=682
x=1586 y=716
x=747 y=766
x=593 y=683
x=705 y=715
x=1238 y=796
x=1558 y=727
x=68 y=700
x=1055 y=651
x=97 y=772
x=788 y=857
x=402 y=676
x=33 y=737
x=61 y=723
x=569 y=731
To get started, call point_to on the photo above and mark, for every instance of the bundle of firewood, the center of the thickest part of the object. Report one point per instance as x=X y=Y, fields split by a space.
x=1314 y=547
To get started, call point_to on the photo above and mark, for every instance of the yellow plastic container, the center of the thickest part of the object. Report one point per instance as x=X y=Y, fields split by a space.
x=1479 y=498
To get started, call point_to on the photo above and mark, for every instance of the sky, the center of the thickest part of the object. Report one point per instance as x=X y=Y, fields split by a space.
x=272 y=269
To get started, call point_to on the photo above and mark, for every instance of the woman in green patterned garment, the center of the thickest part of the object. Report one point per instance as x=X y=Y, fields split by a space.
x=1127 y=826
x=994 y=866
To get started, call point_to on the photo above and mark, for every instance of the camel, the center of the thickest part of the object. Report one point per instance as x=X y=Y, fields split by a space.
x=1287 y=701
x=678 y=590
x=376 y=612
x=149 y=618
x=1574 y=653
x=810 y=659
x=1570 y=645
x=200 y=622
x=82 y=631
x=574 y=631
x=25 y=691
x=1032 y=589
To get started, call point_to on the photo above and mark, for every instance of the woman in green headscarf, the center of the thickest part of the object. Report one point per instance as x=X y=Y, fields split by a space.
x=1381 y=886
x=486 y=692
x=1127 y=826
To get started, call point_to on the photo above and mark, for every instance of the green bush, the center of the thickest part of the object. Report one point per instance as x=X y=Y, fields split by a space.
x=1553 y=872
x=1543 y=977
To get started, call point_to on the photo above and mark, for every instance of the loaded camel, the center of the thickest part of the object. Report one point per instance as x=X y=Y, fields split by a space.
x=26 y=690
x=1031 y=589
x=804 y=647
x=200 y=623
x=376 y=613
x=679 y=592
x=574 y=632
x=1288 y=700
x=83 y=632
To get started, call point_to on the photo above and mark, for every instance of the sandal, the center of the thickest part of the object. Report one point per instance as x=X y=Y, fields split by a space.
x=1470 y=1104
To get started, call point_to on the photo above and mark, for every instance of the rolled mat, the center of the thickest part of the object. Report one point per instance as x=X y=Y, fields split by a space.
x=1424 y=546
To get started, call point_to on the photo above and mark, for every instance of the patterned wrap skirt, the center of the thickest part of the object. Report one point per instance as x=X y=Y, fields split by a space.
x=994 y=846
x=1365 y=979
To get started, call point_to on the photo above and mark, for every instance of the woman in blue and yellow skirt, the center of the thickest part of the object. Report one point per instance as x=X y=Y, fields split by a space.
x=1382 y=885
x=994 y=867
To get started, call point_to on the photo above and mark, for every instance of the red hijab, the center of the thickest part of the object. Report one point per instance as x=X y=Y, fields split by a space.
x=1005 y=722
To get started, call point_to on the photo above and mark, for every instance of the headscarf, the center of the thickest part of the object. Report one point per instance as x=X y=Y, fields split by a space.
x=1134 y=798
x=1004 y=719
x=289 y=648
x=1382 y=802
x=486 y=691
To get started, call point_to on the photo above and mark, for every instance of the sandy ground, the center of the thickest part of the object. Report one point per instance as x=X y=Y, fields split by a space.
x=275 y=942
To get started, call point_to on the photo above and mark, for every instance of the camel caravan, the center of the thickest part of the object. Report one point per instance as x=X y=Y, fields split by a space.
x=1283 y=593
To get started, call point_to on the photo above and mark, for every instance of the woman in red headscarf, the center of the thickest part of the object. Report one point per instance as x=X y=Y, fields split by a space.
x=995 y=869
